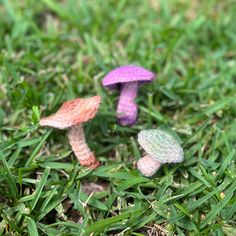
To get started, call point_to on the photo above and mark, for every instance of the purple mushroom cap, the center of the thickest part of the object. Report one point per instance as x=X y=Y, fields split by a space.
x=125 y=74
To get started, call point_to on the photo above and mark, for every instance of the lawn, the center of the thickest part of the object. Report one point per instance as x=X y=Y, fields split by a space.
x=52 y=51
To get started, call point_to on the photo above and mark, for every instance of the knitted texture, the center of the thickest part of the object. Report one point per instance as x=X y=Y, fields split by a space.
x=127 y=78
x=127 y=109
x=124 y=74
x=161 y=146
x=71 y=115
x=79 y=146
x=73 y=112
x=148 y=166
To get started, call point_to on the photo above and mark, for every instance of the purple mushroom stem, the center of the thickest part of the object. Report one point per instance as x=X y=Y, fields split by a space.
x=127 y=79
x=127 y=108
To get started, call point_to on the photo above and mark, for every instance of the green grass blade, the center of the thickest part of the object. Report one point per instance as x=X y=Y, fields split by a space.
x=39 y=188
x=104 y=224
x=36 y=150
x=225 y=163
x=221 y=205
x=9 y=177
x=32 y=227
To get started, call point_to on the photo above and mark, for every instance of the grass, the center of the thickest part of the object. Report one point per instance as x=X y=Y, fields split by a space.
x=52 y=51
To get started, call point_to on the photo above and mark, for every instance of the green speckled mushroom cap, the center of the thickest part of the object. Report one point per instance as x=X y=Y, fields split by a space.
x=161 y=146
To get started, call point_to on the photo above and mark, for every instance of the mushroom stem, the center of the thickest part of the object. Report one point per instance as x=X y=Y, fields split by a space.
x=148 y=166
x=127 y=108
x=79 y=146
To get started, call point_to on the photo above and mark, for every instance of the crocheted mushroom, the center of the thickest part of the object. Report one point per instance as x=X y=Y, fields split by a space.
x=161 y=148
x=127 y=79
x=71 y=116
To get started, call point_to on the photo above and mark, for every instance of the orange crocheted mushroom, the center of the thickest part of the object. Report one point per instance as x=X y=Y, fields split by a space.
x=71 y=116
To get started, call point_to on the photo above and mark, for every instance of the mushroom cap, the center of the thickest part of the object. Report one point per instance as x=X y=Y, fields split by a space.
x=161 y=146
x=125 y=74
x=73 y=112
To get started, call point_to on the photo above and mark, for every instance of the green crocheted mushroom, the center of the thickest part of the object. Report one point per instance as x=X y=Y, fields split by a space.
x=161 y=148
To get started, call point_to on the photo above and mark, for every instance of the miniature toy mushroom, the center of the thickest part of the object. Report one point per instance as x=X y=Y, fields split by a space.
x=71 y=116
x=161 y=148
x=127 y=78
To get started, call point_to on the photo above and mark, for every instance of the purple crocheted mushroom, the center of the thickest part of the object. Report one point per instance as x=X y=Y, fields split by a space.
x=127 y=79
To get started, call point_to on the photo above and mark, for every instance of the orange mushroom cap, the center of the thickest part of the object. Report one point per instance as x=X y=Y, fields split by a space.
x=73 y=112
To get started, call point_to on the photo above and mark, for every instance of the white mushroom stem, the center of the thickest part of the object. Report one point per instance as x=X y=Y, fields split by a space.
x=148 y=166
x=79 y=146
